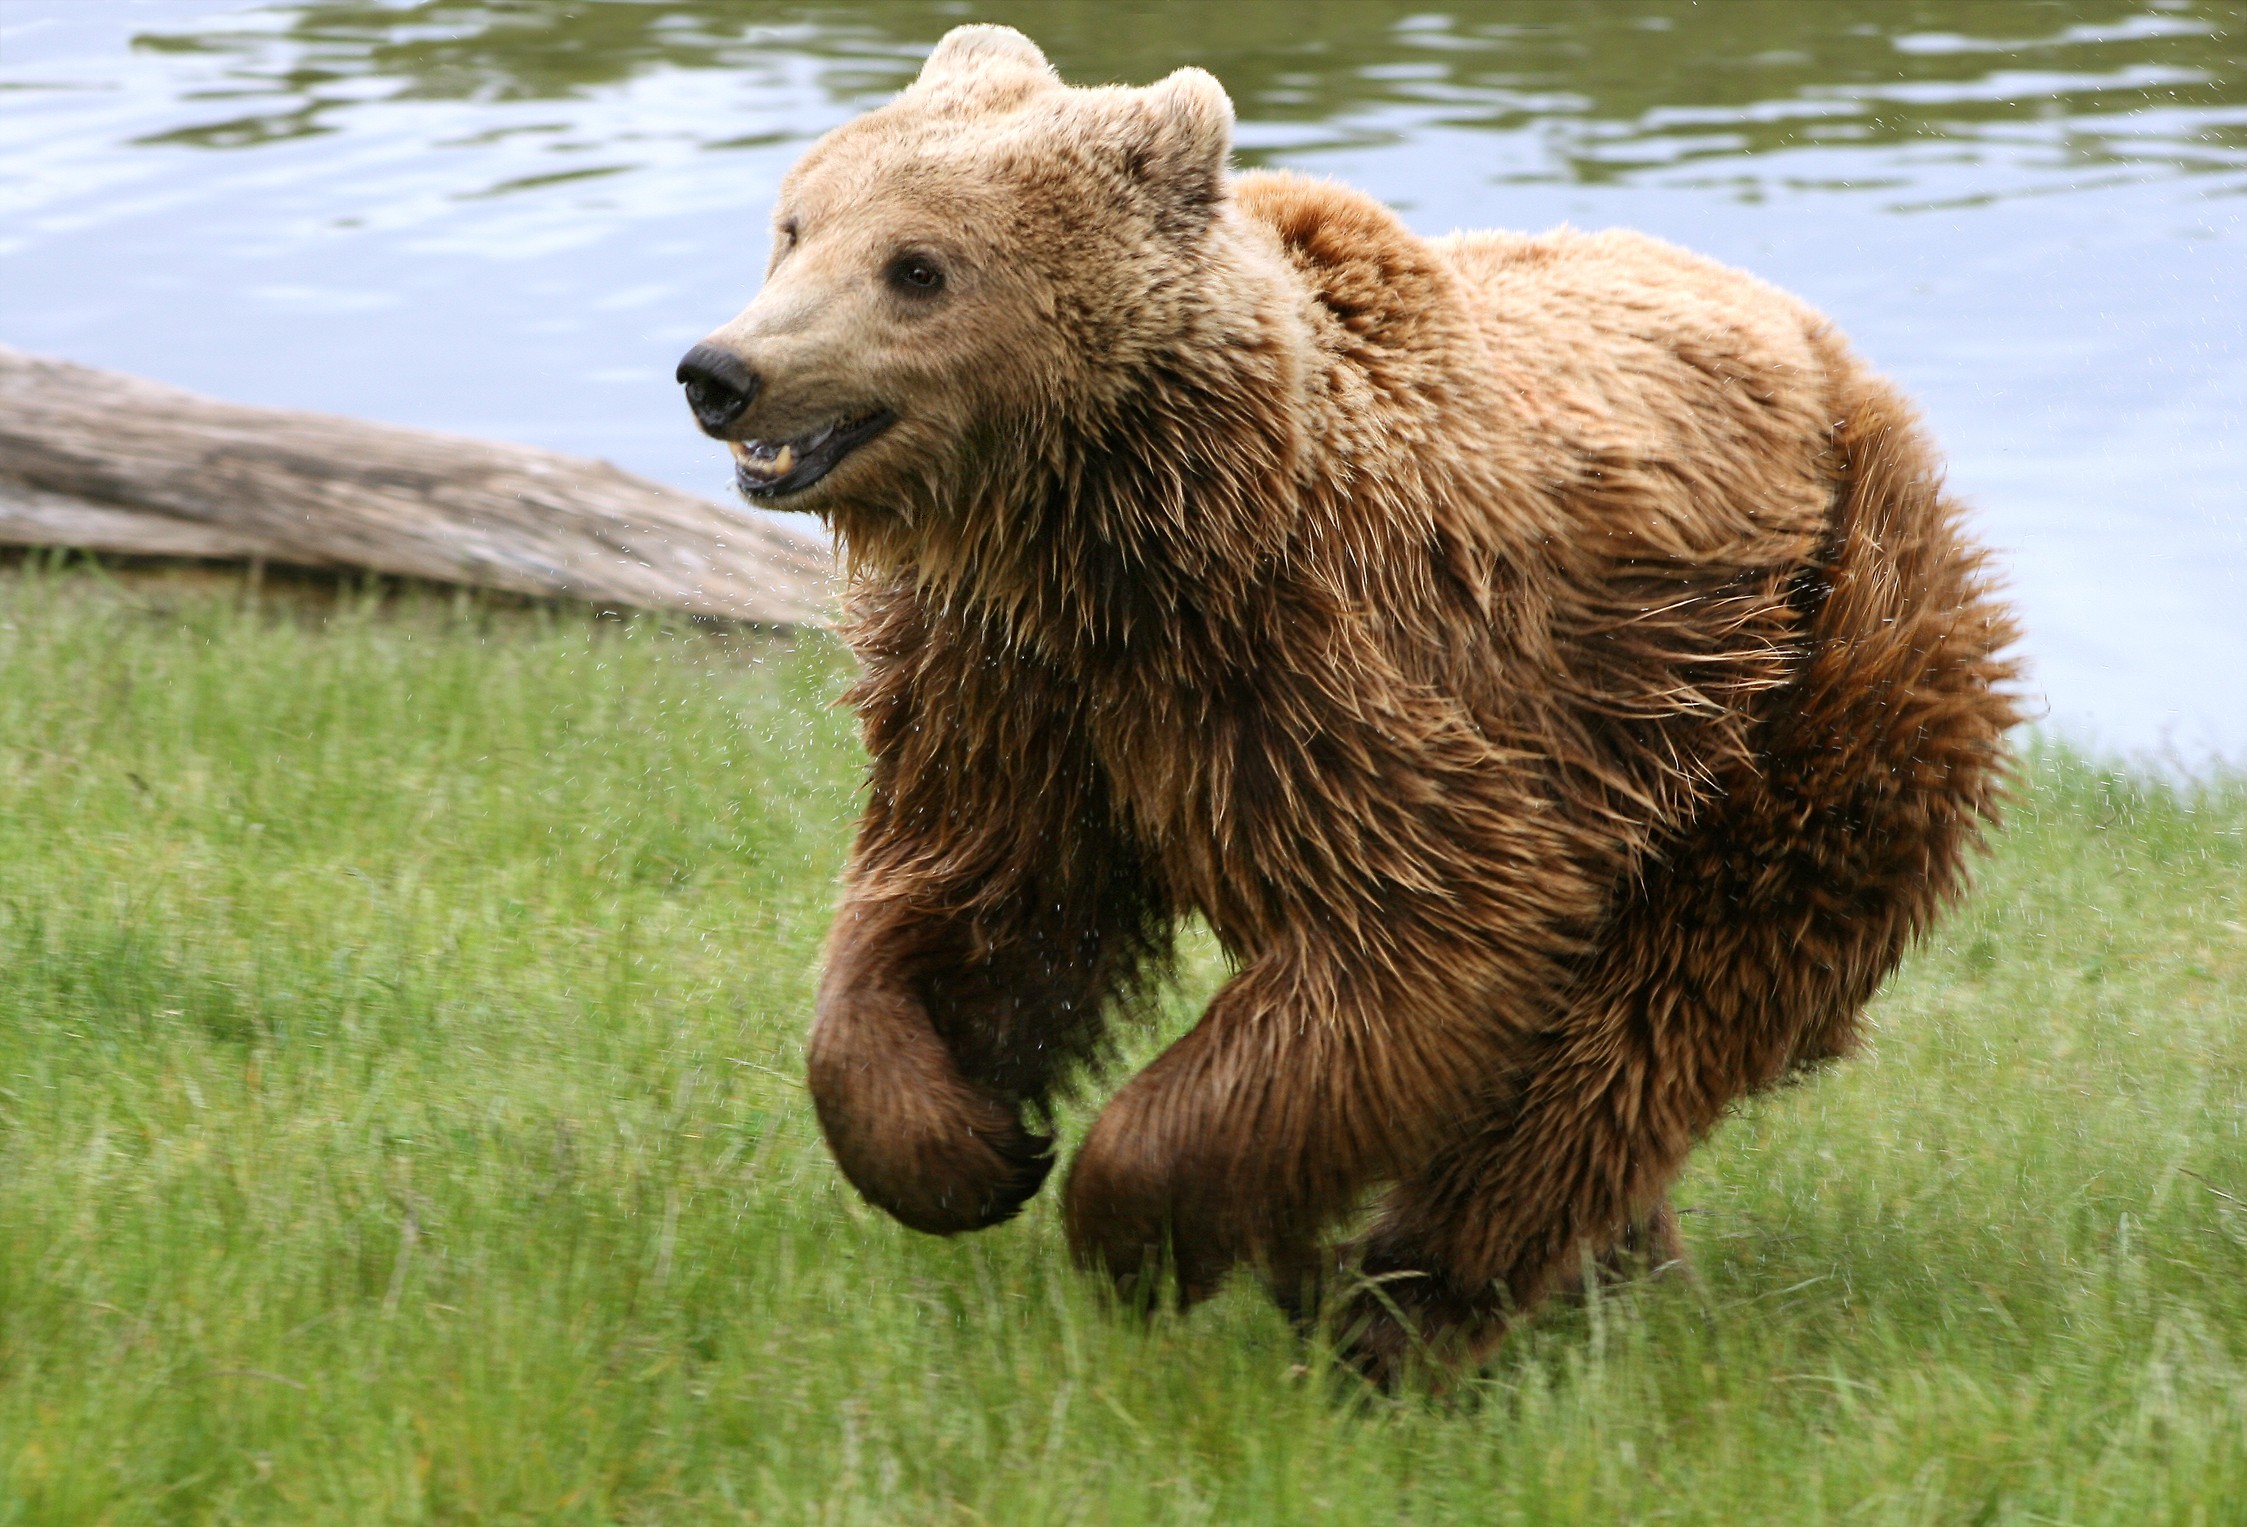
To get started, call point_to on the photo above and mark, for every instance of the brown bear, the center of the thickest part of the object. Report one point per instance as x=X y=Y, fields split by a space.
x=1549 y=665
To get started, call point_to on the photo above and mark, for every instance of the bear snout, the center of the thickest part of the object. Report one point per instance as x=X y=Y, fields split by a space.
x=720 y=387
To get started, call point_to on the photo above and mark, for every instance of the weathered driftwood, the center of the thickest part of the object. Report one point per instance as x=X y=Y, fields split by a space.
x=113 y=463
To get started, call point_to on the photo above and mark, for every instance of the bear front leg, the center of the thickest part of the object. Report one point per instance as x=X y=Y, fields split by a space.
x=936 y=1030
x=913 y=1133
x=1251 y=1135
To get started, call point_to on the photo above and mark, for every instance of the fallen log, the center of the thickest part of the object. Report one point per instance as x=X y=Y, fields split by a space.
x=112 y=463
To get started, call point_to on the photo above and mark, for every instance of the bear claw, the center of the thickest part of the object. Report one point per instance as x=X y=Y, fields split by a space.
x=1029 y=1157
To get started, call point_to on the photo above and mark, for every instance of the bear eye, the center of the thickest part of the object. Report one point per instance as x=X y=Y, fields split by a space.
x=788 y=233
x=916 y=275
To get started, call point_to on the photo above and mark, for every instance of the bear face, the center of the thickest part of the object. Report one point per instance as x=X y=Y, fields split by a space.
x=948 y=271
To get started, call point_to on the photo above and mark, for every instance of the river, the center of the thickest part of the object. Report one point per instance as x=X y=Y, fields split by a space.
x=509 y=218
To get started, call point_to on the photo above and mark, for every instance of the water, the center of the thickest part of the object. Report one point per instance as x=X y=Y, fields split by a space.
x=509 y=218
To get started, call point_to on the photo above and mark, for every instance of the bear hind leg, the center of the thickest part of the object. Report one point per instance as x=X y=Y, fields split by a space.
x=1576 y=1159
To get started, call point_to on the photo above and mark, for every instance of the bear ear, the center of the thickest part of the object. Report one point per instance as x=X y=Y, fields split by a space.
x=1179 y=135
x=983 y=60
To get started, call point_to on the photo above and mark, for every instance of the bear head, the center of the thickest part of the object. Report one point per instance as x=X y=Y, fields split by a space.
x=968 y=279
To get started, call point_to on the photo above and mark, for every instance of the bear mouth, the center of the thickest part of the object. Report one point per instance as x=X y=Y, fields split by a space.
x=776 y=468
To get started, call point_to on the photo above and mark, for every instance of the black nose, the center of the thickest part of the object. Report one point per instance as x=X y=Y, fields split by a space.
x=719 y=386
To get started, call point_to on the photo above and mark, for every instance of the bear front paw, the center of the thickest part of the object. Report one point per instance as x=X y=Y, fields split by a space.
x=914 y=1136
x=967 y=1166
x=1117 y=1232
x=1133 y=1213
x=1020 y=1160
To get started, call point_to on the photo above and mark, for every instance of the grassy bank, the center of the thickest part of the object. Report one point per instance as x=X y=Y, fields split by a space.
x=398 y=1122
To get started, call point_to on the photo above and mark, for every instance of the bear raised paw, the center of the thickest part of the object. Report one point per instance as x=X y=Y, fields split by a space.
x=1549 y=665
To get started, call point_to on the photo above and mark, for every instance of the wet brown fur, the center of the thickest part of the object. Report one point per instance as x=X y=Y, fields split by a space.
x=1549 y=664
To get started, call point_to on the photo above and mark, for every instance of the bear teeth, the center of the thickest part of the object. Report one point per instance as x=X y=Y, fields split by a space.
x=765 y=466
x=764 y=459
x=777 y=460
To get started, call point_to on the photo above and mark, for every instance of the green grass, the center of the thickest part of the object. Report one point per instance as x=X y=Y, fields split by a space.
x=398 y=1122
